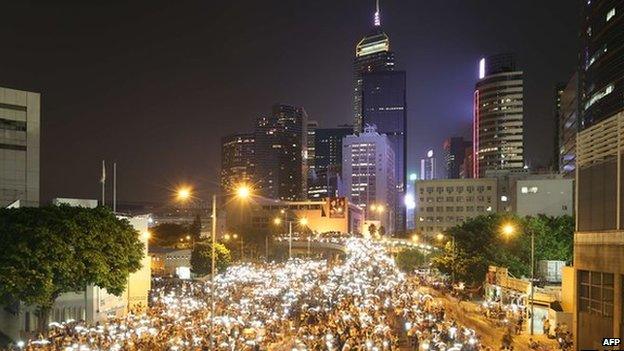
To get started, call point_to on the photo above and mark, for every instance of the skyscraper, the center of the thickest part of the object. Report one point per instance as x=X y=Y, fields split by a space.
x=327 y=162
x=310 y=147
x=454 y=155
x=498 y=130
x=384 y=105
x=281 y=142
x=238 y=159
x=567 y=127
x=372 y=54
x=599 y=236
x=19 y=147
x=368 y=172
x=428 y=166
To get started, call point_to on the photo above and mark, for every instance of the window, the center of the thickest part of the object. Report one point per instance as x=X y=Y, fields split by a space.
x=449 y=199
x=595 y=294
x=524 y=190
x=504 y=198
x=610 y=14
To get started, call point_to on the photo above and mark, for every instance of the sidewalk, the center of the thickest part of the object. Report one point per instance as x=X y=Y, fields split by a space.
x=467 y=314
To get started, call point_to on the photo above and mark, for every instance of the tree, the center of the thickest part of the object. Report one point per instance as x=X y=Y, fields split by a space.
x=372 y=229
x=168 y=234
x=480 y=243
x=409 y=259
x=201 y=258
x=382 y=230
x=195 y=228
x=51 y=250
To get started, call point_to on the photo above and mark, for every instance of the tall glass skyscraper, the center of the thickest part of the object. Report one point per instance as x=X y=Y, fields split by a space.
x=384 y=105
x=281 y=145
x=372 y=54
x=498 y=132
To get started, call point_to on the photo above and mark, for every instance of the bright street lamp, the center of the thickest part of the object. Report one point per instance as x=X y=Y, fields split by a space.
x=184 y=193
x=508 y=229
x=243 y=191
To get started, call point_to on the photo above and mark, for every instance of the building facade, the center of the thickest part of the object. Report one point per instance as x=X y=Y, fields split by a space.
x=368 y=174
x=428 y=166
x=567 y=127
x=455 y=155
x=312 y=126
x=372 y=54
x=599 y=236
x=238 y=158
x=281 y=146
x=444 y=203
x=551 y=197
x=498 y=131
x=19 y=147
x=384 y=105
x=326 y=177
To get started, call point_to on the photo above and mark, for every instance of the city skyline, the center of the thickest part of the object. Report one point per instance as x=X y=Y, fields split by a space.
x=169 y=55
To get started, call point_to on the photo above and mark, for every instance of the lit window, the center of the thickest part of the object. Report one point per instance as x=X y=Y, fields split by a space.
x=489 y=208
x=533 y=190
x=524 y=190
x=504 y=198
x=610 y=14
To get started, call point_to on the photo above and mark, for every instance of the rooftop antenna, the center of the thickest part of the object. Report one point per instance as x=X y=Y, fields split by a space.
x=377 y=18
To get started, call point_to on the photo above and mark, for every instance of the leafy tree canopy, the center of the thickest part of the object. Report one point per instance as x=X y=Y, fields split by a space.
x=480 y=242
x=201 y=258
x=51 y=250
x=409 y=259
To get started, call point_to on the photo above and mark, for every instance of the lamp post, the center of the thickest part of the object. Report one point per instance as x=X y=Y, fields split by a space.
x=508 y=230
x=185 y=194
x=302 y=221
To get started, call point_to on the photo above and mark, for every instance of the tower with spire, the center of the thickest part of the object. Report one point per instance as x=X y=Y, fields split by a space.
x=372 y=54
x=380 y=99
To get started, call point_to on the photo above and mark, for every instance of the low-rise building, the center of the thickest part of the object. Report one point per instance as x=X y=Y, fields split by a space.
x=334 y=214
x=444 y=203
x=551 y=197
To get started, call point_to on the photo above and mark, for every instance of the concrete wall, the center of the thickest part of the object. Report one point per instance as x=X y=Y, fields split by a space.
x=551 y=197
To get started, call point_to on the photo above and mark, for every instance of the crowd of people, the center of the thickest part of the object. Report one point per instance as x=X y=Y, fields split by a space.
x=360 y=303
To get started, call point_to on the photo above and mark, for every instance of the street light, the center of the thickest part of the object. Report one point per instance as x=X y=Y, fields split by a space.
x=302 y=222
x=185 y=193
x=509 y=229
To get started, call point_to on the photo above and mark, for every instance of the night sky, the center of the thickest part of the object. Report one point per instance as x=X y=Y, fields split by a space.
x=154 y=85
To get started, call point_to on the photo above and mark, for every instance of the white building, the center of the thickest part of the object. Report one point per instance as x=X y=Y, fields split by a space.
x=444 y=203
x=551 y=197
x=93 y=304
x=19 y=147
x=428 y=167
x=368 y=175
